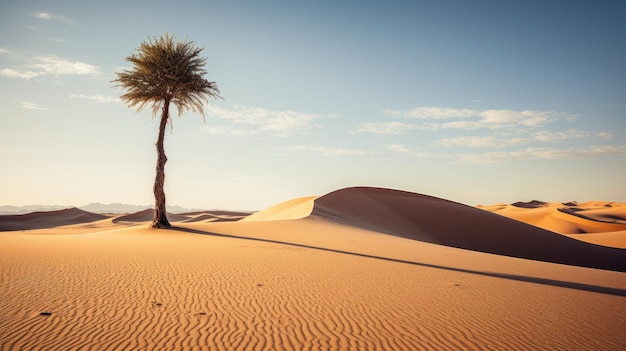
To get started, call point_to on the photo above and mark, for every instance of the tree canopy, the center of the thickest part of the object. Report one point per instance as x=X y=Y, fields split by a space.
x=166 y=71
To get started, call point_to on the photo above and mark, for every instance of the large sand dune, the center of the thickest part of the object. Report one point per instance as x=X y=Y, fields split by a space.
x=438 y=221
x=357 y=269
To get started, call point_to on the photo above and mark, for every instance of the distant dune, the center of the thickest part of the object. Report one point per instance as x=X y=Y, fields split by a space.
x=598 y=222
x=113 y=208
x=356 y=269
x=47 y=219
x=16 y=210
x=146 y=216
x=72 y=216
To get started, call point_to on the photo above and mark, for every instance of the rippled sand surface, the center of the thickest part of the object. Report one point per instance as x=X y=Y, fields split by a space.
x=312 y=283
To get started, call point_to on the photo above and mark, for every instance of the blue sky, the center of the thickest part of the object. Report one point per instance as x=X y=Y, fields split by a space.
x=474 y=101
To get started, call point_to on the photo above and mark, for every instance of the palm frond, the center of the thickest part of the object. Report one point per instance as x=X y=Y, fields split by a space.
x=165 y=71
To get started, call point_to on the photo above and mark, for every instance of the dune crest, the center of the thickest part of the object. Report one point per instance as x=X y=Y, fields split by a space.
x=438 y=221
x=291 y=209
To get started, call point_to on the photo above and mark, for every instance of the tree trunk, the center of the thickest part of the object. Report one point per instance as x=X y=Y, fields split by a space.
x=160 y=214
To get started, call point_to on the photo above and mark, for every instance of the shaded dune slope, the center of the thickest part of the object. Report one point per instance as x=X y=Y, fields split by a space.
x=47 y=219
x=74 y=216
x=438 y=221
x=199 y=216
x=214 y=216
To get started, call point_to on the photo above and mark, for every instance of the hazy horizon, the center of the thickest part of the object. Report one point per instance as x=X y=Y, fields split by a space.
x=178 y=207
x=478 y=103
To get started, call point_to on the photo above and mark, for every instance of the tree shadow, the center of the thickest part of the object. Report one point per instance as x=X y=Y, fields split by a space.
x=521 y=278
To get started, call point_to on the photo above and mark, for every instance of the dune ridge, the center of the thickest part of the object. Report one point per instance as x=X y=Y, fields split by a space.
x=42 y=220
x=47 y=219
x=575 y=219
x=290 y=209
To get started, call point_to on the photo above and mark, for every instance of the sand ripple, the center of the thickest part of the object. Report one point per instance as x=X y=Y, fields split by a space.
x=141 y=289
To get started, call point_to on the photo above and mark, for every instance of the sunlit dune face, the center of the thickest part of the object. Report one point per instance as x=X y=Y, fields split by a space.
x=597 y=222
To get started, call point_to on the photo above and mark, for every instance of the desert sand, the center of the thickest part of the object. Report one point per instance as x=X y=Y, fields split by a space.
x=356 y=269
x=598 y=222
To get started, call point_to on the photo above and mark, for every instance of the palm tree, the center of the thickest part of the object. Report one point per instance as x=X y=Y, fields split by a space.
x=165 y=71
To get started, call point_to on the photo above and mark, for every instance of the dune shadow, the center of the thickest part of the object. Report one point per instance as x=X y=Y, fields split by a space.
x=521 y=278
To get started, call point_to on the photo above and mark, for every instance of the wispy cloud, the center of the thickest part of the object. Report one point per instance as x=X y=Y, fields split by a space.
x=329 y=151
x=505 y=134
x=547 y=136
x=526 y=118
x=398 y=148
x=471 y=119
x=16 y=73
x=227 y=130
x=544 y=153
x=39 y=66
x=432 y=112
x=499 y=141
x=50 y=16
x=441 y=118
x=33 y=106
x=468 y=141
x=255 y=120
x=479 y=141
x=417 y=152
x=384 y=128
x=59 y=66
x=96 y=98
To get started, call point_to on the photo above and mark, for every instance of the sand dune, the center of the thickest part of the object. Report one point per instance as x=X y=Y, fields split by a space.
x=211 y=217
x=577 y=220
x=215 y=216
x=346 y=275
x=291 y=209
x=208 y=216
x=71 y=219
x=443 y=222
x=612 y=239
x=147 y=215
x=47 y=219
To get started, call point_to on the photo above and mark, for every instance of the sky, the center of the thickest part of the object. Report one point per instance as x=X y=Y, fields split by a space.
x=479 y=102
